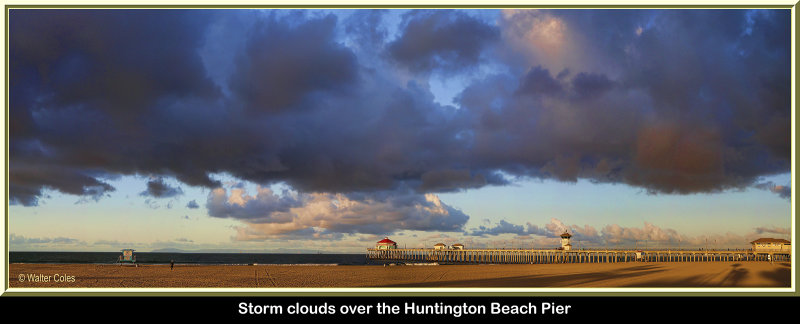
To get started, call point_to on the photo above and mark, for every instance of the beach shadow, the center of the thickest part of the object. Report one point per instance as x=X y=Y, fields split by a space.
x=735 y=276
x=781 y=276
x=693 y=281
x=784 y=264
x=580 y=279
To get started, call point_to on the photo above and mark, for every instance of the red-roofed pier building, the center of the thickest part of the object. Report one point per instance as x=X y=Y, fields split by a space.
x=386 y=244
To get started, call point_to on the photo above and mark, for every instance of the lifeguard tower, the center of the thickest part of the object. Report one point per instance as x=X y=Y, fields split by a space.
x=565 y=245
x=127 y=256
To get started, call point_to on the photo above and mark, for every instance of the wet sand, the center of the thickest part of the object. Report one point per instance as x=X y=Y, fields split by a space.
x=645 y=275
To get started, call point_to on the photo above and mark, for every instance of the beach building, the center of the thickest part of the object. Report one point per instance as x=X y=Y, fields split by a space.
x=386 y=244
x=766 y=244
x=565 y=245
x=127 y=256
x=440 y=246
x=458 y=246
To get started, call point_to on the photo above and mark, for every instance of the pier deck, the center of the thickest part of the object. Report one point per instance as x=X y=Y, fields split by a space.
x=534 y=256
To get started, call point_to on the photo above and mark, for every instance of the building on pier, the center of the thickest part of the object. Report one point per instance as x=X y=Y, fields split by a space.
x=565 y=245
x=458 y=246
x=771 y=245
x=386 y=244
x=440 y=246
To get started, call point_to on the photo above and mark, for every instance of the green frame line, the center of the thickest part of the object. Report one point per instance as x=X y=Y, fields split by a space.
x=389 y=294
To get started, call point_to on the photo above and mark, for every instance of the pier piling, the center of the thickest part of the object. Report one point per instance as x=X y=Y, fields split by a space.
x=540 y=256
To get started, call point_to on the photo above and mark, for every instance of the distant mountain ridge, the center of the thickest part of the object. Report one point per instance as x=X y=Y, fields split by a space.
x=278 y=251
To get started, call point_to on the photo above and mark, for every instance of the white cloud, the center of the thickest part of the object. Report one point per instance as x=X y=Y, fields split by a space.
x=326 y=215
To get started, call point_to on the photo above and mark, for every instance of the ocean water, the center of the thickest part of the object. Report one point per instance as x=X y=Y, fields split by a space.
x=190 y=258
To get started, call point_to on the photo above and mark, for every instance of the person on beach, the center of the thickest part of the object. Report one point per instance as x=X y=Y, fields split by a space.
x=171 y=264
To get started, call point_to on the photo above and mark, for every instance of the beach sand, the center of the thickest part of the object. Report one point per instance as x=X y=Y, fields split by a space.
x=652 y=274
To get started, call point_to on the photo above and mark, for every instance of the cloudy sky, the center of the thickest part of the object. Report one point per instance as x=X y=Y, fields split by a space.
x=327 y=130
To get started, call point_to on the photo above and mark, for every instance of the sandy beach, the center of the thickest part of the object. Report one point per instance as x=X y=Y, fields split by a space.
x=672 y=274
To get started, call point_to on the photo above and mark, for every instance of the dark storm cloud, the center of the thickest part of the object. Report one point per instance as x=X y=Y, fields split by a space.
x=782 y=191
x=671 y=109
x=541 y=126
x=282 y=65
x=679 y=101
x=27 y=182
x=444 y=40
x=379 y=138
x=732 y=116
x=157 y=188
x=453 y=180
x=113 y=60
x=192 y=205
x=539 y=81
x=591 y=85
x=84 y=82
x=266 y=206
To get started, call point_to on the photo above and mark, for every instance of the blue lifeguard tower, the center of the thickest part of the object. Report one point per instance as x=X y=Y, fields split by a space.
x=127 y=256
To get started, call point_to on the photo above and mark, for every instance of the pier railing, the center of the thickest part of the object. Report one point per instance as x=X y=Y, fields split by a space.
x=534 y=256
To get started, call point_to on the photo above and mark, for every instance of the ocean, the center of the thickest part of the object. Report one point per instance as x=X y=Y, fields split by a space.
x=190 y=258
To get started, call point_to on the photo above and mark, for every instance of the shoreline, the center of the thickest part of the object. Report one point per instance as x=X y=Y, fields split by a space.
x=611 y=275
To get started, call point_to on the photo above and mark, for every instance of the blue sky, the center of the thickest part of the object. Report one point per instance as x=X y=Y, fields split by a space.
x=327 y=130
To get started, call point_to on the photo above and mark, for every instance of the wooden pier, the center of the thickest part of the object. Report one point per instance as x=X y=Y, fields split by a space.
x=531 y=256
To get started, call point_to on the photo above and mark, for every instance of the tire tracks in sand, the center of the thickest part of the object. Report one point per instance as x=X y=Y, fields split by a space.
x=270 y=278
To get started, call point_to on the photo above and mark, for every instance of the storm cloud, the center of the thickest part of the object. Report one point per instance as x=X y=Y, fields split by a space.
x=784 y=191
x=157 y=188
x=282 y=66
x=672 y=101
x=441 y=40
x=192 y=205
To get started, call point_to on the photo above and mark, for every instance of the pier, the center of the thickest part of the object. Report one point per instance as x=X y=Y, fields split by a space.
x=542 y=256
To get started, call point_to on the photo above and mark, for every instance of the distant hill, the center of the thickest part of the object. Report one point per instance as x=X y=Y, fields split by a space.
x=279 y=251
x=170 y=250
